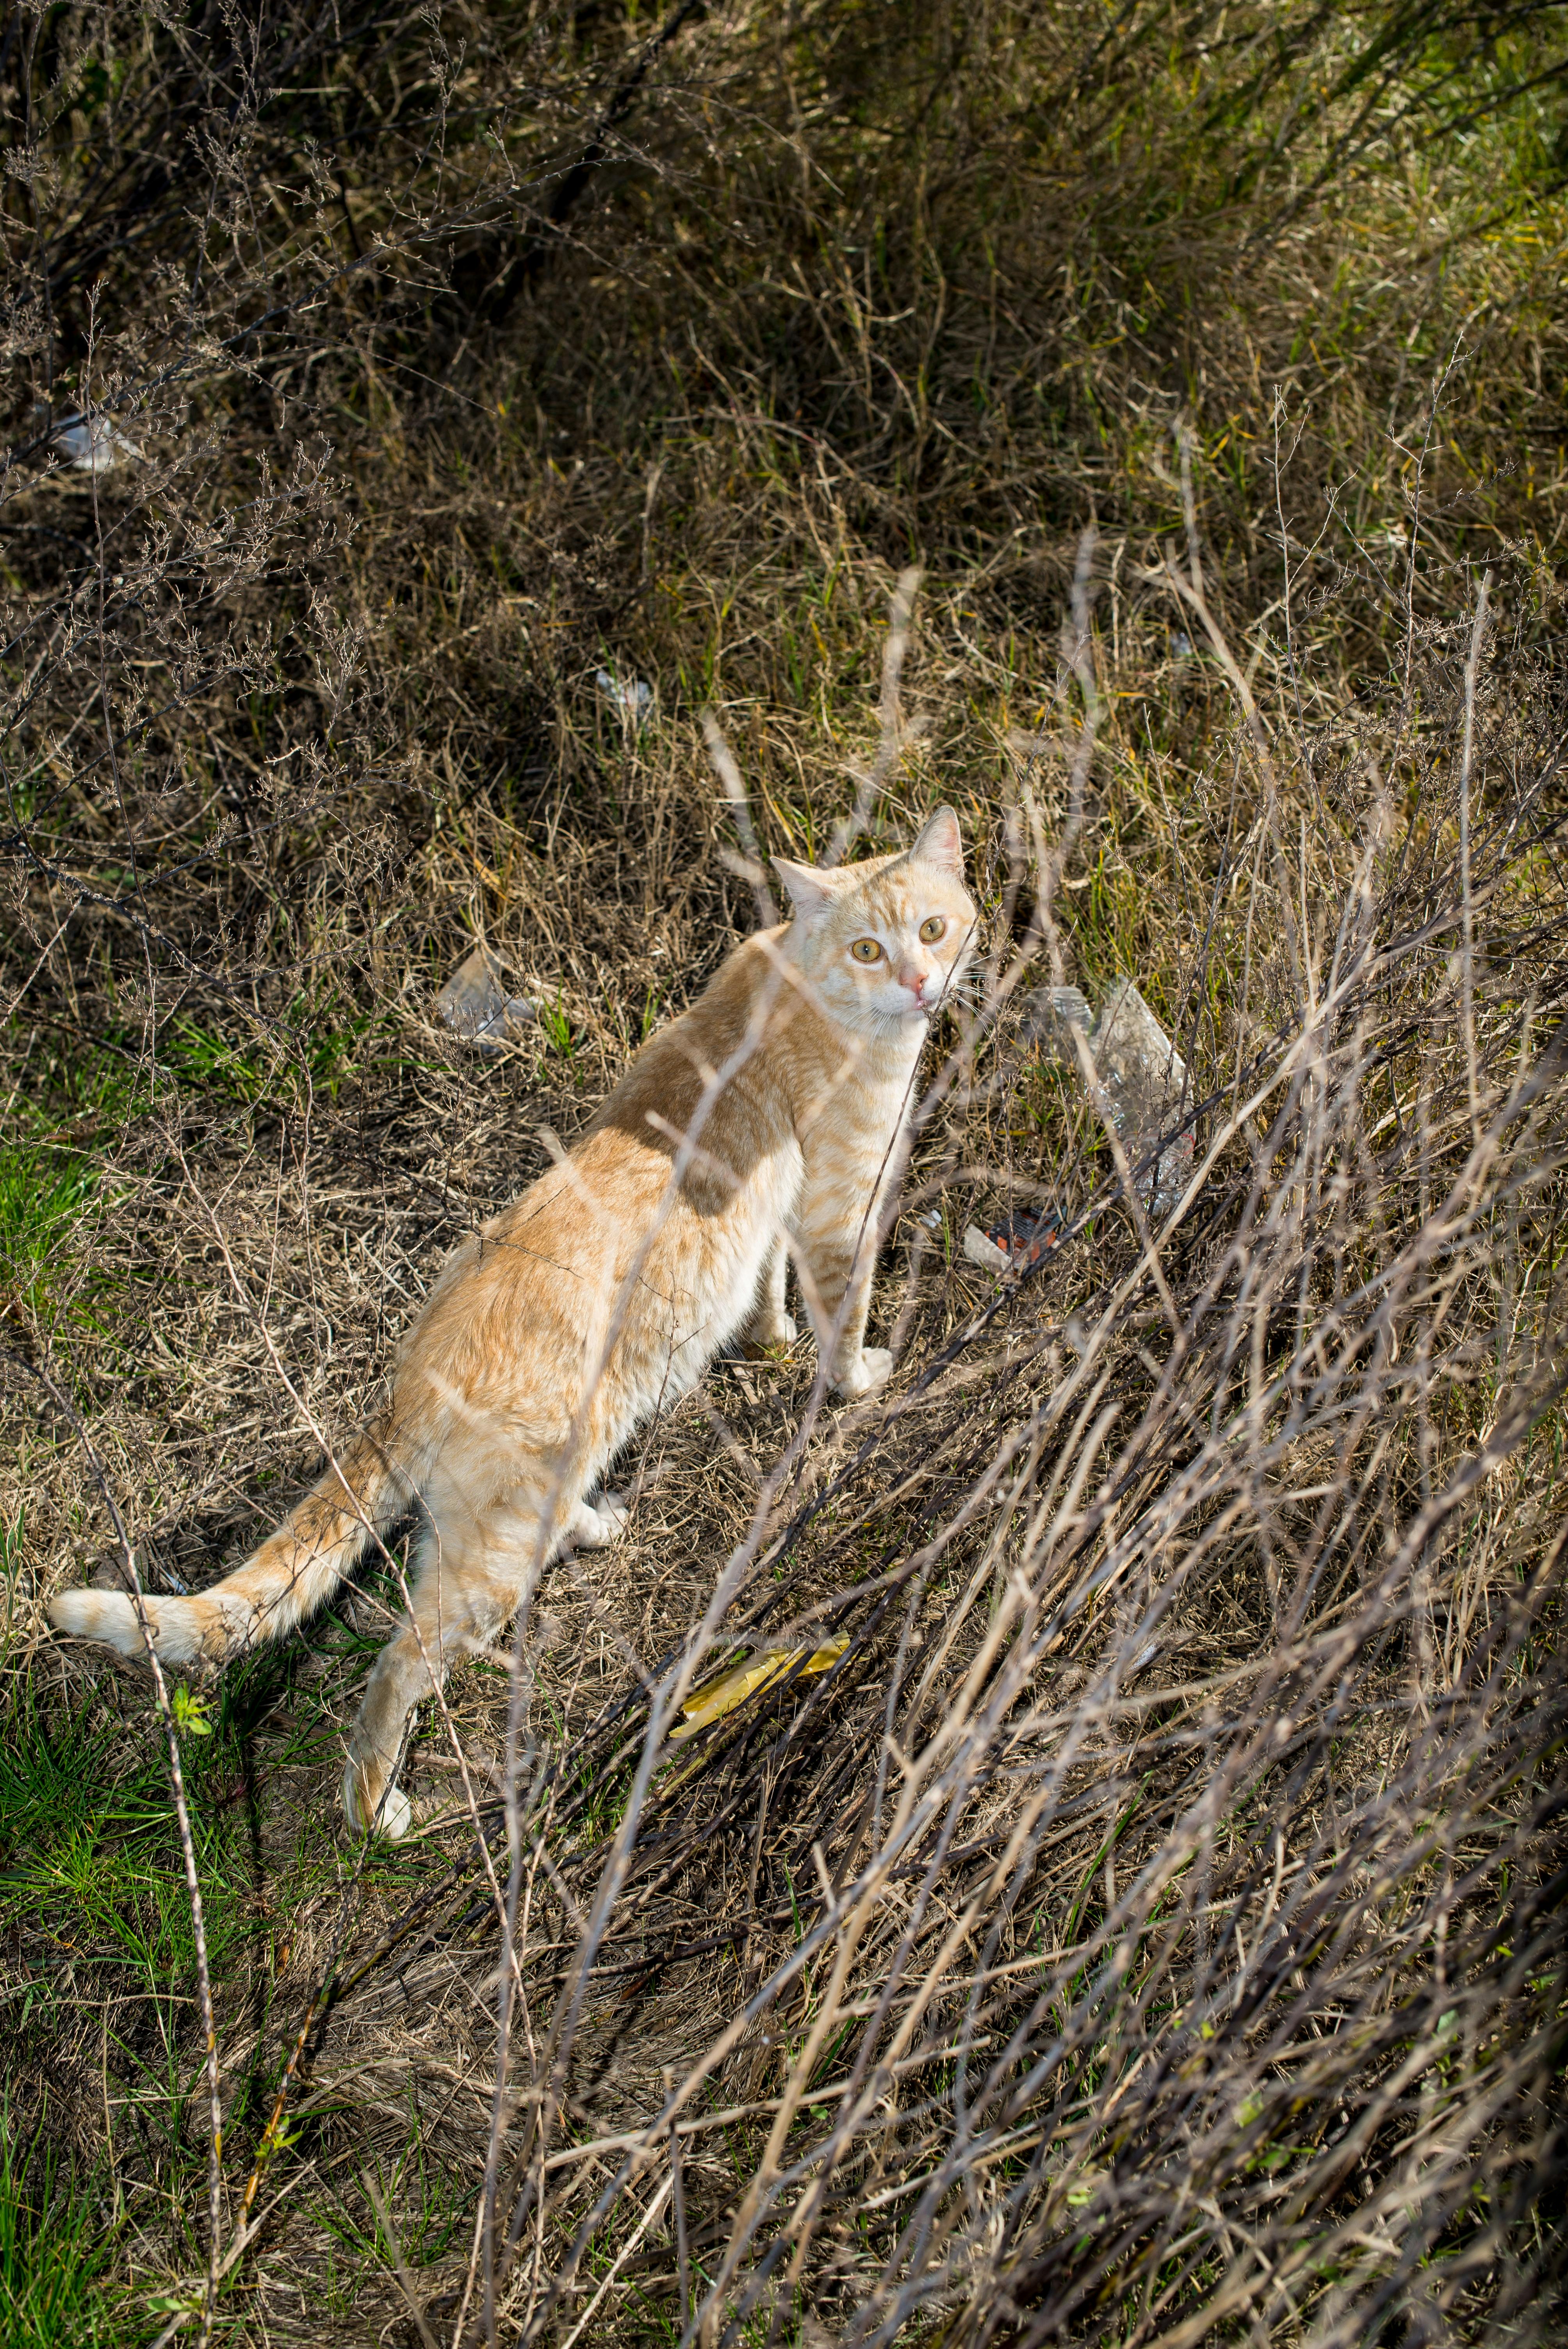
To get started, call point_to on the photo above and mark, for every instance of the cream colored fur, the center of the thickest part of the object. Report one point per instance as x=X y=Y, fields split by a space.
x=763 y=1125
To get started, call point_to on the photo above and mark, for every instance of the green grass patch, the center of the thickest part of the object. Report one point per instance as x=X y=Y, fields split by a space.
x=49 y=1197
x=57 y=2252
x=91 y=1854
x=322 y=1041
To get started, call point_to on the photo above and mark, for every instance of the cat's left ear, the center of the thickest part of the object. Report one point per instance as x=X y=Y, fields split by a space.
x=808 y=889
x=941 y=843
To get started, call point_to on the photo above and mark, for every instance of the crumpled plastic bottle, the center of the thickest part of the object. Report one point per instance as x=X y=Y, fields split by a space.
x=91 y=446
x=1141 y=1080
x=475 y=1004
x=631 y=698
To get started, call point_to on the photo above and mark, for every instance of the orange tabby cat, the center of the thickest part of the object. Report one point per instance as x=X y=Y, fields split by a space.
x=764 y=1123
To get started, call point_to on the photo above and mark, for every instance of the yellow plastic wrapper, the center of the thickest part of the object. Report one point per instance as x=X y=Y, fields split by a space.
x=760 y=1671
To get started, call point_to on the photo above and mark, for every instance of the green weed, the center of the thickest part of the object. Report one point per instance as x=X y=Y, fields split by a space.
x=49 y=1197
x=56 y=2251
x=92 y=1862
x=557 y=1026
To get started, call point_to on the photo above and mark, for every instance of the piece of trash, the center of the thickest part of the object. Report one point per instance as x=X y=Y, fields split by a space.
x=760 y=1670
x=1050 y=1011
x=1010 y=1240
x=1141 y=1079
x=475 y=1004
x=631 y=697
x=1145 y=1083
x=92 y=444
x=930 y=1217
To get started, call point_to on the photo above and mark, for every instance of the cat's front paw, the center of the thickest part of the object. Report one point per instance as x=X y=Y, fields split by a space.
x=598 y=1523
x=873 y=1370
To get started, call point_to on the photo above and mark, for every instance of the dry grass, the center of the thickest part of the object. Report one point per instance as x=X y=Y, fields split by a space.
x=1151 y=1926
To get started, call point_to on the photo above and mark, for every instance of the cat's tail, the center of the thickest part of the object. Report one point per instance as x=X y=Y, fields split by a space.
x=318 y=1543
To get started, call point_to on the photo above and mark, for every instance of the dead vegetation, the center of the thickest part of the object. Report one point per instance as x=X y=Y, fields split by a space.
x=1150 y=1927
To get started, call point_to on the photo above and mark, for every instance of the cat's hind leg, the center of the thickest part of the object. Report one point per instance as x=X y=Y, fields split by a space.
x=451 y=1616
x=471 y=1574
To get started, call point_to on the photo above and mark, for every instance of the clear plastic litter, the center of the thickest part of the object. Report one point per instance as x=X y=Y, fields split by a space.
x=1141 y=1080
x=91 y=444
x=631 y=698
x=475 y=1003
x=1050 y=1012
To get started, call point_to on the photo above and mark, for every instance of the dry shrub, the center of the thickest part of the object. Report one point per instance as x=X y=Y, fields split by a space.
x=1150 y=1925
x=1153 y=1910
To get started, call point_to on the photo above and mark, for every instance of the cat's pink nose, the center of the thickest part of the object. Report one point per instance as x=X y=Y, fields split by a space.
x=917 y=978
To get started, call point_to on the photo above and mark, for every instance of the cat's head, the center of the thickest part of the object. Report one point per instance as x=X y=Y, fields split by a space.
x=884 y=943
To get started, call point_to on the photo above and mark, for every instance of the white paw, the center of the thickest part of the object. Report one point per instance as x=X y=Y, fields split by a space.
x=393 y=1812
x=599 y=1524
x=873 y=1370
x=395 y=1815
x=775 y=1329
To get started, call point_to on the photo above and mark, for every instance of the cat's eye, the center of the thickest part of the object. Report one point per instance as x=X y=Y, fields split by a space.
x=931 y=929
x=866 y=950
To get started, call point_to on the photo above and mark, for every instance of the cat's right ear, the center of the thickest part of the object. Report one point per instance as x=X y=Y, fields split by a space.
x=809 y=891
